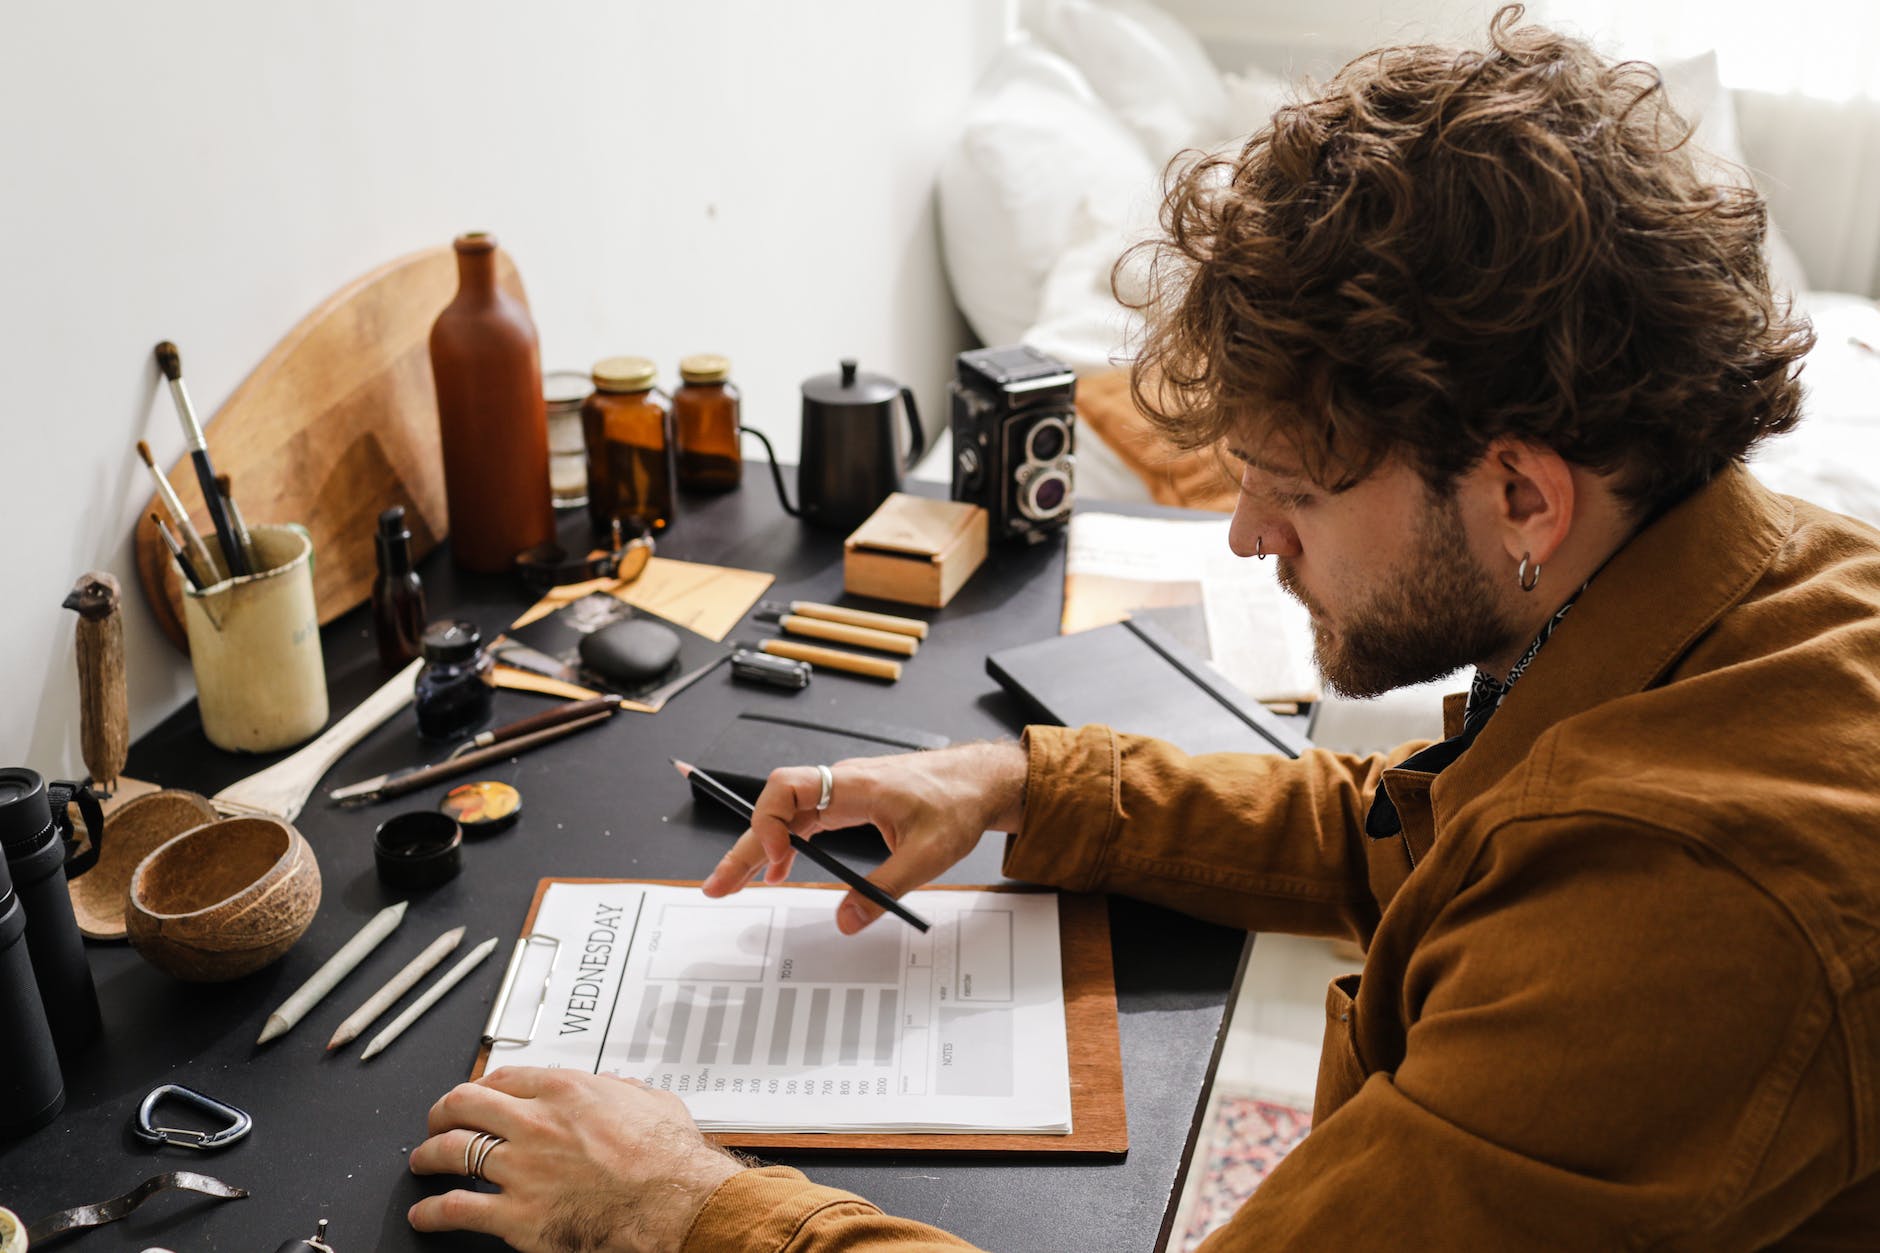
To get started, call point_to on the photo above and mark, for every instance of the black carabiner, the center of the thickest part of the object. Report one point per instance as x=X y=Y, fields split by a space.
x=238 y=1121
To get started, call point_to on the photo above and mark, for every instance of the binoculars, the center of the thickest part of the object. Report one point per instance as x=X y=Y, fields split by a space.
x=47 y=999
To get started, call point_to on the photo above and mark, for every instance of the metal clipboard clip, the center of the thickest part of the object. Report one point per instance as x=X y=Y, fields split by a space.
x=509 y=982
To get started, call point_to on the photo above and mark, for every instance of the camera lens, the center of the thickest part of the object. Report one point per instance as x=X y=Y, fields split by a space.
x=1047 y=440
x=1046 y=496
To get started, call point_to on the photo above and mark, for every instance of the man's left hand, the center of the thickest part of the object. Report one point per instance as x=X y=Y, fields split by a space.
x=587 y=1162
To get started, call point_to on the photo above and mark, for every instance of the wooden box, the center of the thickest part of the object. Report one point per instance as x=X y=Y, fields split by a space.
x=915 y=550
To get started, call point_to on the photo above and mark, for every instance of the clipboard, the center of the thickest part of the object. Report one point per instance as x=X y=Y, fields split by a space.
x=1099 y=1122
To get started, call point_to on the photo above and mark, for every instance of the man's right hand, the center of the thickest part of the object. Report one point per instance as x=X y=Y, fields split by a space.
x=931 y=807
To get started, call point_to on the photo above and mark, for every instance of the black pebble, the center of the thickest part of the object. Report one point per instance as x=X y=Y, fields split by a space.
x=630 y=652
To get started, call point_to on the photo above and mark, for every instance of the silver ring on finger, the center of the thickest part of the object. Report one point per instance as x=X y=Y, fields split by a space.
x=477 y=1151
x=828 y=787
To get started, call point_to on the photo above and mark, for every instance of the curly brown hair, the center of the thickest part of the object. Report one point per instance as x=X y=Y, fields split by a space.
x=1447 y=247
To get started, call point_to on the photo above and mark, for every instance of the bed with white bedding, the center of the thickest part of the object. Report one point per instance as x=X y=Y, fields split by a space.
x=1058 y=166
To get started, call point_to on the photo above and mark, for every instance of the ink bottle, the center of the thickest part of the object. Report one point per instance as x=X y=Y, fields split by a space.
x=456 y=688
x=627 y=426
x=397 y=594
x=705 y=411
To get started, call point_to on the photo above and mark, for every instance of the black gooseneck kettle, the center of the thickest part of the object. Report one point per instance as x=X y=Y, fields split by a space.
x=851 y=457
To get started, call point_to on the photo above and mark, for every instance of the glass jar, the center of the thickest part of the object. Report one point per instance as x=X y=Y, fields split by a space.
x=627 y=425
x=705 y=413
x=563 y=392
x=456 y=688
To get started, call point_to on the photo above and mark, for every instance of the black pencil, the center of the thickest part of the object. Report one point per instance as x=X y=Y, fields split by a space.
x=743 y=808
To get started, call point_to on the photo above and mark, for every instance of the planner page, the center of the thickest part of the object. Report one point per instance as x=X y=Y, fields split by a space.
x=764 y=1018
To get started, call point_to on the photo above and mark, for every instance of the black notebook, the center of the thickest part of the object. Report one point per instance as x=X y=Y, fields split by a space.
x=1135 y=677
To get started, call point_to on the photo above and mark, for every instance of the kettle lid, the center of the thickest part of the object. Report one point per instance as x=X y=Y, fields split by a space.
x=850 y=386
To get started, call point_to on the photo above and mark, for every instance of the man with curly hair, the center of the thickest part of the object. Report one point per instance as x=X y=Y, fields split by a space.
x=1489 y=353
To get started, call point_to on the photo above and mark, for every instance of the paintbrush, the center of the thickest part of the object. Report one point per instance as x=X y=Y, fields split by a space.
x=170 y=361
x=192 y=538
x=176 y=551
x=226 y=485
x=384 y=786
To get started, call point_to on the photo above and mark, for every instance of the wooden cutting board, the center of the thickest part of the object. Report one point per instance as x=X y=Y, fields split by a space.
x=337 y=423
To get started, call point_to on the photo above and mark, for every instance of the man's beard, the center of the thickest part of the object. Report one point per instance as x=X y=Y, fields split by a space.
x=1436 y=615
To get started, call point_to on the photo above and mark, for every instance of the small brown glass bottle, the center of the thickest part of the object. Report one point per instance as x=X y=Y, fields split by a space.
x=705 y=411
x=397 y=594
x=627 y=425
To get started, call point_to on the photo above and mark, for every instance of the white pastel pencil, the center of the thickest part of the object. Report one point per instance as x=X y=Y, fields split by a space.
x=395 y=987
x=432 y=995
x=337 y=967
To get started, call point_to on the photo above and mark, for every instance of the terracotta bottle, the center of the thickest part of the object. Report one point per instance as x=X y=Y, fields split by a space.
x=488 y=369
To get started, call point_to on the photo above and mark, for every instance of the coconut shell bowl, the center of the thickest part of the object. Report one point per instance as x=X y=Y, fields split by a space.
x=132 y=831
x=223 y=900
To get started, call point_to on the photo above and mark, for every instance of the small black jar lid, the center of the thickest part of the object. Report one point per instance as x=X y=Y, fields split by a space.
x=420 y=849
x=446 y=642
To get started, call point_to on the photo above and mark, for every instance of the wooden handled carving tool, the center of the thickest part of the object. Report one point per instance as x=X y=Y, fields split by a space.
x=840 y=632
x=842 y=613
x=385 y=786
x=828 y=658
x=170 y=361
x=179 y=518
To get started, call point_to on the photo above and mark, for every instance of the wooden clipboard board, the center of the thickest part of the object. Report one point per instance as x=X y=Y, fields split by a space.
x=1099 y=1122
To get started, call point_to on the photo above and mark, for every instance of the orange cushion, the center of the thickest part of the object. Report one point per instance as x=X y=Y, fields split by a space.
x=1193 y=480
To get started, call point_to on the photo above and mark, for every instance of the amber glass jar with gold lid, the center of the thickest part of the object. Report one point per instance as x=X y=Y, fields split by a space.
x=627 y=426
x=705 y=413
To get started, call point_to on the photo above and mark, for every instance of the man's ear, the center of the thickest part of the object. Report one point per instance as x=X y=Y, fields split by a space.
x=1533 y=498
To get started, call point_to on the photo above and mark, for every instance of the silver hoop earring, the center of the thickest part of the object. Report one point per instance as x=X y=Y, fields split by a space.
x=1259 y=547
x=1525 y=576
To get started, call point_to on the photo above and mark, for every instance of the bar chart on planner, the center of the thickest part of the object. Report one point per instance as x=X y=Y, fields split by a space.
x=760 y=1014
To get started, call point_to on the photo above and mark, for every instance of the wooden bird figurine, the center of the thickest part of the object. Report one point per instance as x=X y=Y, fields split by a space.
x=104 y=716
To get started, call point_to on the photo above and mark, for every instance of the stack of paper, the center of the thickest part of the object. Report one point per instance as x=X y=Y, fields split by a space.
x=765 y=1018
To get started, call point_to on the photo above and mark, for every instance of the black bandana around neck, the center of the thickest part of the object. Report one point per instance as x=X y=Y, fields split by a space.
x=1486 y=694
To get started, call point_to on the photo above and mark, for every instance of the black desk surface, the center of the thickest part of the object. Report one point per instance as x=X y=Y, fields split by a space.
x=331 y=1134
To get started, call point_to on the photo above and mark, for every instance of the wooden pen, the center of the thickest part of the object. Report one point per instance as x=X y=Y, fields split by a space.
x=841 y=632
x=852 y=617
x=830 y=658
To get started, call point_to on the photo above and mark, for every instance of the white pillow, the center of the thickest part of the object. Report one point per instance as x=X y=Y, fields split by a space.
x=1037 y=151
x=1148 y=67
x=1699 y=94
x=1253 y=96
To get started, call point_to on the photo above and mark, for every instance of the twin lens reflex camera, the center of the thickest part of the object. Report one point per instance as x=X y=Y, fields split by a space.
x=1014 y=435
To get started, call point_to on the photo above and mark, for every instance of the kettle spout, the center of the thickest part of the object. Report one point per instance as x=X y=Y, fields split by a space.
x=776 y=471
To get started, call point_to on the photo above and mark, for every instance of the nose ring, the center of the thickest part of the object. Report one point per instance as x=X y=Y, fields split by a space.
x=1259 y=547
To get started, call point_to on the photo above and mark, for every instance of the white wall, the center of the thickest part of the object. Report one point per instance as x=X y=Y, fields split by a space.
x=1315 y=39
x=740 y=176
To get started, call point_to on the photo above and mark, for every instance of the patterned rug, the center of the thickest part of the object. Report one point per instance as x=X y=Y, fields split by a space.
x=1245 y=1140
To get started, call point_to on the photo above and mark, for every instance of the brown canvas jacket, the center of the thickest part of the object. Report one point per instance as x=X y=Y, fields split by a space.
x=1622 y=976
